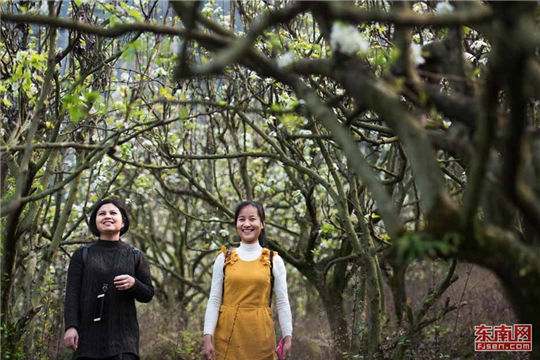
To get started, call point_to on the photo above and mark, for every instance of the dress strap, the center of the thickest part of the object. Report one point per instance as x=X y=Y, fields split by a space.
x=268 y=258
x=271 y=276
x=227 y=254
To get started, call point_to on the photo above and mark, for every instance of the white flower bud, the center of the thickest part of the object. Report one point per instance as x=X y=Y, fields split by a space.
x=444 y=8
x=346 y=39
x=416 y=53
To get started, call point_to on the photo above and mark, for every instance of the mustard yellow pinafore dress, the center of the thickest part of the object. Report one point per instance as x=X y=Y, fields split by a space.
x=245 y=329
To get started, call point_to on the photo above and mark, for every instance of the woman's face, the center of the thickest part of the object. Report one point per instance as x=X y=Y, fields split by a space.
x=109 y=220
x=249 y=224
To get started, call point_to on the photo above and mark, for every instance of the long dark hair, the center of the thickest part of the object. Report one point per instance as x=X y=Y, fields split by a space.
x=119 y=205
x=260 y=212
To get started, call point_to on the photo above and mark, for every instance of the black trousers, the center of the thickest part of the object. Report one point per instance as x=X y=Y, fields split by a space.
x=125 y=356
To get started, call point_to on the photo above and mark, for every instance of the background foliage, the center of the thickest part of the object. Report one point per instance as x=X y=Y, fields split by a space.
x=391 y=143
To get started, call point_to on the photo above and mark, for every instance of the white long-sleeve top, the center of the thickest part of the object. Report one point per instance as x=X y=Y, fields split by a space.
x=249 y=252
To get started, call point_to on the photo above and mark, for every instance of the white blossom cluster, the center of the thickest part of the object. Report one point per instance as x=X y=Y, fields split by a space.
x=478 y=44
x=416 y=54
x=286 y=59
x=287 y=100
x=419 y=7
x=176 y=45
x=124 y=76
x=347 y=40
x=210 y=9
x=119 y=93
x=444 y=8
x=44 y=9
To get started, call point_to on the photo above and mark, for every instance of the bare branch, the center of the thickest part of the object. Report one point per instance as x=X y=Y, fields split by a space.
x=114 y=31
x=342 y=11
x=240 y=47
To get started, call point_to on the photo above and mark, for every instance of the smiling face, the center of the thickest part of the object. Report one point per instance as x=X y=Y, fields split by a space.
x=109 y=222
x=249 y=224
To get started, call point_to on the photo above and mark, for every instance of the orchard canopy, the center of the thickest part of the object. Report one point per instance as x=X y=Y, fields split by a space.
x=377 y=134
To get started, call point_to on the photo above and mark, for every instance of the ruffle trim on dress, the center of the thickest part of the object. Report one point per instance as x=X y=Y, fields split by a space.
x=265 y=257
x=232 y=258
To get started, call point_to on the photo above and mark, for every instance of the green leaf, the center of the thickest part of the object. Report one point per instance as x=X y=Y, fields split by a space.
x=135 y=14
x=326 y=228
x=18 y=73
x=74 y=107
x=184 y=112
x=91 y=96
x=166 y=93
x=291 y=120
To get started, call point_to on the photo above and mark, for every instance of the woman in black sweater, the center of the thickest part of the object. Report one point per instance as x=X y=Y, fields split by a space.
x=104 y=280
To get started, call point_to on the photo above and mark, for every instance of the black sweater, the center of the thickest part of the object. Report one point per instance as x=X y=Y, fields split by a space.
x=118 y=331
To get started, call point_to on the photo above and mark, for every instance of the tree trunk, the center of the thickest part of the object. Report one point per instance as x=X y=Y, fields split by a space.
x=517 y=265
x=524 y=294
x=333 y=305
x=373 y=297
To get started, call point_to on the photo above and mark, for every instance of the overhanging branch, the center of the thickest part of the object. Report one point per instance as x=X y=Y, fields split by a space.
x=113 y=31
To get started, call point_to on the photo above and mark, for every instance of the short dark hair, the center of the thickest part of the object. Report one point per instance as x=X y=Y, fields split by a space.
x=260 y=211
x=119 y=205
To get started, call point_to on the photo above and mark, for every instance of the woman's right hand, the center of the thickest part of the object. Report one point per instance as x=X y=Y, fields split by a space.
x=71 y=338
x=209 y=352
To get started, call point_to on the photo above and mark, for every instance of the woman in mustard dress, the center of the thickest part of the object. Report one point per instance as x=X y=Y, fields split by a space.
x=238 y=322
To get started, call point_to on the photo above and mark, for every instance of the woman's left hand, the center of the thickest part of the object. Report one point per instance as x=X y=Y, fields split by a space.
x=287 y=346
x=124 y=282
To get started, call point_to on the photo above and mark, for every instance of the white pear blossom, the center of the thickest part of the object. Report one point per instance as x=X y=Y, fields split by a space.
x=224 y=233
x=33 y=89
x=419 y=7
x=447 y=123
x=226 y=21
x=21 y=55
x=479 y=44
x=346 y=39
x=175 y=46
x=300 y=209
x=120 y=124
x=146 y=143
x=286 y=59
x=211 y=9
x=44 y=9
x=118 y=94
x=124 y=76
x=469 y=57
x=161 y=71
x=444 y=8
x=253 y=76
x=416 y=54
